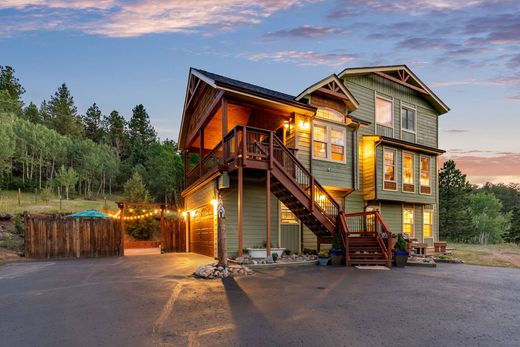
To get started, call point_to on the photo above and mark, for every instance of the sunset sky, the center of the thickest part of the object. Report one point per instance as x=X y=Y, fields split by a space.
x=121 y=53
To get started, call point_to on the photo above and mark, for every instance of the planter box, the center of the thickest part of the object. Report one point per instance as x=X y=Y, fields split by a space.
x=262 y=252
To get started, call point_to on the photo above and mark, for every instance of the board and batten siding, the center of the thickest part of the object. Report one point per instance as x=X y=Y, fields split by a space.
x=254 y=216
x=365 y=88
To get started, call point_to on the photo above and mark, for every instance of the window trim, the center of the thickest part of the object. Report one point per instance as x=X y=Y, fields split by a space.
x=429 y=175
x=390 y=100
x=329 y=127
x=385 y=149
x=413 y=220
x=402 y=171
x=413 y=108
x=432 y=210
x=318 y=118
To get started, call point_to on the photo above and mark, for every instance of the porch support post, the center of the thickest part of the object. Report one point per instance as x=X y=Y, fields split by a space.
x=201 y=149
x=122 y=221
x=268 y=213
x=186 y=165
x=164 y=246
x=224 y=127
x=240 y=209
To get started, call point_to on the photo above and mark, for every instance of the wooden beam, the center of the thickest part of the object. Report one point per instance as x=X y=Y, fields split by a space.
x=210 y=112
x=332 y=93
x=224 y=127
x=240 y=209
x=192 y=94
x=268 y=213
x=406 y=84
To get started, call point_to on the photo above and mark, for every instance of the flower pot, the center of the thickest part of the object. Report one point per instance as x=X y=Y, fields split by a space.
x=262 y=252
x=336 y=256
x=401 y=258
x=323 y=261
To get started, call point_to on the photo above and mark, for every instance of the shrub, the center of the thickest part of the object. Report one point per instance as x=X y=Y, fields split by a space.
x=142 y=229
x=310 y=251
x=18 y=226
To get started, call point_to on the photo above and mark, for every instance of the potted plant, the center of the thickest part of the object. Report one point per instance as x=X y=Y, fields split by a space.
x=401 y=252
x=323 y=258
x=337 y=251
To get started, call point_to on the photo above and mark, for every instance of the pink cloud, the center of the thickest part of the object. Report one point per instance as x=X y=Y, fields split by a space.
x=304 y=57
x=70 y=4
x=507 y=164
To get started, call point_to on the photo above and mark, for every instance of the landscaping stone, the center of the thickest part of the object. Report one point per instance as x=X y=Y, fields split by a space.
x=286 y=259
x=421 y=261
x=211 y=271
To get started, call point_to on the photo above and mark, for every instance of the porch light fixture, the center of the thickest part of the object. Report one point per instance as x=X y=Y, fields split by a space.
x=214 y=202
x=286 y=124
x=184 y=214
x=304 y=124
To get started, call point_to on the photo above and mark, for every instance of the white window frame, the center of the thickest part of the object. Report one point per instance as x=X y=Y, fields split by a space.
x=413 y=172
x=429 y=174
x=390 y=100
x=328 y=143
x=385 y=149
x=413 y=220
x=432 y=210
x=414 y=109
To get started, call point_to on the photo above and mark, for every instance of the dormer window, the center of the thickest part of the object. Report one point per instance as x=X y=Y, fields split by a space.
x=330 y=114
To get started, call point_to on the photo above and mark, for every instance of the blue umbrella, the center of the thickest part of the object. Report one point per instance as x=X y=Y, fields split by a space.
x=88 y=214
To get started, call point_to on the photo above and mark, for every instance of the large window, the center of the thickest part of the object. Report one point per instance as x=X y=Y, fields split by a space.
x=425 y=175
x=408 y=221
x=427 y=223
x=286 y=215
x=329 y=142
x=389 y=169
x=384 y=112
x=408 y=119
x=328 y=113
x=408 y=173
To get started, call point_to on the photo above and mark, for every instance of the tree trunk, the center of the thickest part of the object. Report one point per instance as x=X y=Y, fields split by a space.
x=221 y=234
x=40 y=172
x=67 y=191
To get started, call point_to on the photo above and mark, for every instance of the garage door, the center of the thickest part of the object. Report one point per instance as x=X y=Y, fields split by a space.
x=202 y=233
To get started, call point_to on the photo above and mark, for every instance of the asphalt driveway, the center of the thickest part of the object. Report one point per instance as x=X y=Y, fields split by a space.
x=151 y=301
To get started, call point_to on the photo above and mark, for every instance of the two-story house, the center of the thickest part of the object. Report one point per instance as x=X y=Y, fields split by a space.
x=352 y=156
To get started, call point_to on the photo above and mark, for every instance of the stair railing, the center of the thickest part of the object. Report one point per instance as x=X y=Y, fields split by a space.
x=370 y=223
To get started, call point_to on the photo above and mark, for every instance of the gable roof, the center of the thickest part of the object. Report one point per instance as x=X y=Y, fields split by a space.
x=403 y=75
x=352 y=103
x=216 y=80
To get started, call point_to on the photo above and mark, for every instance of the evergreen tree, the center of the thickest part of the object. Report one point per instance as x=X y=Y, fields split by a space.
x=454 y=215
x=45 y=114
x=11 y=84
x=513 y=234
x=92 y=122
x=32 y=114
x=64 y=114
x=135 y=190
x=142 y=134
x=116 y=133
x=508 y=194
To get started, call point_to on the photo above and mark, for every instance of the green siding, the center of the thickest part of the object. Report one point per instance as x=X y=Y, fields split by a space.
x=355 y=202
x=254 y=223
x=392 y=213
x=290 y=237
x=200 y=197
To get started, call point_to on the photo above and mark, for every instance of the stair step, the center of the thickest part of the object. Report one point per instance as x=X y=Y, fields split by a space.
x=366 y=255
x=367 y=262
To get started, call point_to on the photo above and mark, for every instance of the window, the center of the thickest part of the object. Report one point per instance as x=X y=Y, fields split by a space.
x=286 y=215
x=408 y=175
x=427 y=223
x=425 y=175
x=328 y=113
x=408 y=119
x=384 y=112
x=329 y=142
x=408 y=221
x=389 y=170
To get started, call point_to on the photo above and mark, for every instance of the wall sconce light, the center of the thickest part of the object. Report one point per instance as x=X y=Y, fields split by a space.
x=214 y=202
x=184 y=214
x=304 y=124
x=286 y=124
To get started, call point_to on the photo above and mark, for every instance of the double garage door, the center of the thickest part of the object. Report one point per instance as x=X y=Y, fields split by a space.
x=202 y=231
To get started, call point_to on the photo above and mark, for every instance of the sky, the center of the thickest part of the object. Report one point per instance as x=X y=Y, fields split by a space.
x=122 y=53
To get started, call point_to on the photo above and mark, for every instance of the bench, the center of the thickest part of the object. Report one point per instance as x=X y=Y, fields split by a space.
x=440 y=247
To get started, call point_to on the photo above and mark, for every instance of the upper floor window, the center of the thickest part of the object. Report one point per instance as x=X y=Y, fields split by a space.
x=389 y=169
x=330 y=114
x=384 y=115
x=408 y=119
x=425 y=175
x=408 y=173
x=329 y=142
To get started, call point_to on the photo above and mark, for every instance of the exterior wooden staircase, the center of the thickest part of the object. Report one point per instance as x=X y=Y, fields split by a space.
x=361 y=233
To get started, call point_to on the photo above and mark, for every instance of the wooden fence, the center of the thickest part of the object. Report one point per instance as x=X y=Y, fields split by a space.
x=50 y=237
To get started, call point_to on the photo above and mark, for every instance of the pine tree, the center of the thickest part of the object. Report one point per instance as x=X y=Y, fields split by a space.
x=92 y=122
x=142 y=134
x=135 y=190
x=32 y=114
x=116 y=133
x=454 y=215
x=11 y=84
x=513 y=234
x=45 y=114
x=64 y=114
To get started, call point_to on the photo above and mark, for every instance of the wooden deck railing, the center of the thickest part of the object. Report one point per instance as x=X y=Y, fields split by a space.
x=208 y=165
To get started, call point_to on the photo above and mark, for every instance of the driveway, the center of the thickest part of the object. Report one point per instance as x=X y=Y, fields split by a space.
x=151 y=301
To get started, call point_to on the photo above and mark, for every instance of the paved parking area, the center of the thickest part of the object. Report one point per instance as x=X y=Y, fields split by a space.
x=152 y=301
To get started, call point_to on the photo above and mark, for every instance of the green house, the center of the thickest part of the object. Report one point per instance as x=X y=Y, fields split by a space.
x=353 y=156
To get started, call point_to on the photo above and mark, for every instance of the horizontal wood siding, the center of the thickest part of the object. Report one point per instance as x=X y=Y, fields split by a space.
x=200 y=197
x=392 y=213
x=254 y=226
x=355 y=202
x=367 y=167
x=290 y=237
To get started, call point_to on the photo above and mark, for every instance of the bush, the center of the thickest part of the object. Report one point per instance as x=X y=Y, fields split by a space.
x=18 y=226
x=310 y=251
x=142 y=229
x=46 y=194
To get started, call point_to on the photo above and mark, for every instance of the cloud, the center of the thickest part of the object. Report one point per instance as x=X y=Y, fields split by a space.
x=306 y=31
x=497 y=29
x=455 y=131
x=444 y=84
x=496 y=165
x=304 y=57
x=117 y=18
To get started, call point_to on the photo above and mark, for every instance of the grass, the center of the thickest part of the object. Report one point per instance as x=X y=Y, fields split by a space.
x=34 y=204
x=504 y=255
